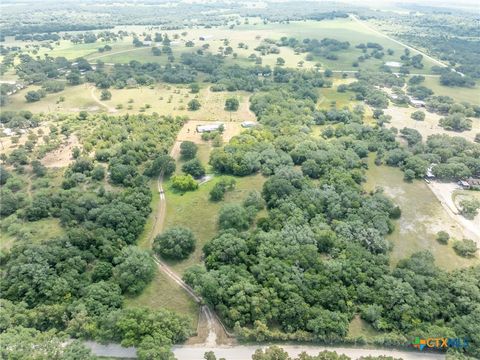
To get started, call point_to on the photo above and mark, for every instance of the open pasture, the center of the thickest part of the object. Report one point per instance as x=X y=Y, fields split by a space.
x=430 y=126
x=422 y=217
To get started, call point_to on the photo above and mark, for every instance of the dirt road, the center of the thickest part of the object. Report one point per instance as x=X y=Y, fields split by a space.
x=114 y=53
x=99 y=102
x=216 y=332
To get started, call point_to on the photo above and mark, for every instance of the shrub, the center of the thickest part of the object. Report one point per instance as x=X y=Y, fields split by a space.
x=418 y=115
x=184 y=183
x=193 y=105
x=218 y=191
x=443 y=237
x=233 y=216
x=469 y=208
x=465 y=247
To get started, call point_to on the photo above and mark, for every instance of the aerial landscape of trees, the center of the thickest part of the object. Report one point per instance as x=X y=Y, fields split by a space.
x=294 y=245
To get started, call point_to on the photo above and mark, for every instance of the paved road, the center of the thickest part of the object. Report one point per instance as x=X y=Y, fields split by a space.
x=244 y=352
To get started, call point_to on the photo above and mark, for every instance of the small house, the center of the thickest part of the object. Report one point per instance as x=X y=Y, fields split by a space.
x=417 y=103
x=205 y=37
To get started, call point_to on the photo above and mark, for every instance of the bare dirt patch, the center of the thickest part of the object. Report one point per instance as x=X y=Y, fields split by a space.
x=62 y=156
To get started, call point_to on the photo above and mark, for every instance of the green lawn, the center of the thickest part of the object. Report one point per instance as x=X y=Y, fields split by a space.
x=422 y=217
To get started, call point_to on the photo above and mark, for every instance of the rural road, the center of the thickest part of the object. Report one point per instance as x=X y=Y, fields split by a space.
x=114 y=53
x=216 y=330
x=362 y=23
x=244 y=352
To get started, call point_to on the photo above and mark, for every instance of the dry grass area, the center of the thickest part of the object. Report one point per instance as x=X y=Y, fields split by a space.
x=76 y=98
x=189 y=133
x=62 y=156
x=401 y=118
x=173 y=99
x=7 y=143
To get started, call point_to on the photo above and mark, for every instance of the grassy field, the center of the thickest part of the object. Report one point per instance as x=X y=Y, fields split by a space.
x=359 y=327
x=77 y=98
x=471 y=95
x=422 y=217
x=162 y=98
x=31 y=231
x=340 y=29
x=251 y=35
x=401 y=117
x=163 y=292
x=195 y=211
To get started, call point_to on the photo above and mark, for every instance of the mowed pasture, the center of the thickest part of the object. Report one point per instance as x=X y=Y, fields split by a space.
x=422 y=217
x=164 y=99
x=460 y=94
x=252 y=35
x=76 y=98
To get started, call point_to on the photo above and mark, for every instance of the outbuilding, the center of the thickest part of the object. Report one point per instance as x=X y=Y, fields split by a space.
x=209 y=127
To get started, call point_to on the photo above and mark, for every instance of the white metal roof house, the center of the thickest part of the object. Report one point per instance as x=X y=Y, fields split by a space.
x=209 y=127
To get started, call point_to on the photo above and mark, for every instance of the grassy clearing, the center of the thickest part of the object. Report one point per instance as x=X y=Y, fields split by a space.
x=471 y=95
x=172 y=100
x=422 y=217
x=77 y=98
x=195 y=211
x=163 y=292
x=35 y=231
x=401 y=117
x=340 y=29
x=359 y=327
